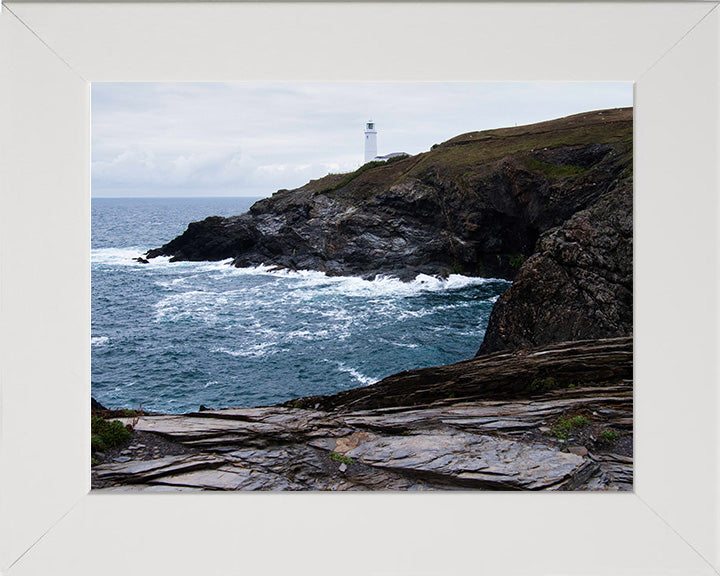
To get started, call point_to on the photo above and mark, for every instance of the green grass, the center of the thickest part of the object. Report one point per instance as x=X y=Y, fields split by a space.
x=476 y=149
x=543 y=384
x=608 y=435
x=474 y=155
x=566 y=425
x=364 y=168
x=106 y=434
x=341 y=458
x=549 y=383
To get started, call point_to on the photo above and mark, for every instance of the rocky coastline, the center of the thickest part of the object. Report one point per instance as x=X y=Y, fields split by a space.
x=547 y=205
x=547 y=402
x=567 y=425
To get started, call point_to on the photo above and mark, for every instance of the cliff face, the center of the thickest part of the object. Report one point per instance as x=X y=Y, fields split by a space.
x=475 y=205
x=578 y=283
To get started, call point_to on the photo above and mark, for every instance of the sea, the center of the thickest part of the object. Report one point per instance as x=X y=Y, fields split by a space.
x=172 y=336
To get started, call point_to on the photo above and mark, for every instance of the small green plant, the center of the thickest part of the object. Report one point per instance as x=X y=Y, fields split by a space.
x=517 y=260
x=608 y=435
x=566 y=425
x=341 y=458
x=543 y=384
x=106 y=434
x=94 y=461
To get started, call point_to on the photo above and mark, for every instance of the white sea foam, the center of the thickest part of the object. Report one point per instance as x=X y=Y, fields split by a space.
x=405 y=345
x=126 y=257
x=116 y=256
x=199 y=304
x=382 y=285
x=99 y=340
x=254 y=351
x=364 y=380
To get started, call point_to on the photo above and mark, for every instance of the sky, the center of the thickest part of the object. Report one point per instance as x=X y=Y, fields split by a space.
x=253 y=138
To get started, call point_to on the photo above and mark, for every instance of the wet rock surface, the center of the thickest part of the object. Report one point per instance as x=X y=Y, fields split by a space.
x=445 y=443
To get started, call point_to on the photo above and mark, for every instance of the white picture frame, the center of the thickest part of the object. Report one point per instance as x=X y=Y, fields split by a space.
x=51 y=524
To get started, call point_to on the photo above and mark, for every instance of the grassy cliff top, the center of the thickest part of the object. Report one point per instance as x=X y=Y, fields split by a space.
x=475 y=152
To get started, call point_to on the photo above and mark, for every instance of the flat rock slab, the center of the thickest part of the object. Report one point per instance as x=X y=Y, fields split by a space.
x=229 y=478
x=479 y=461
x=143 y=470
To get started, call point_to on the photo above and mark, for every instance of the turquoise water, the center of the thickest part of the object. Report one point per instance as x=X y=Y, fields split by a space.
x=173 y=336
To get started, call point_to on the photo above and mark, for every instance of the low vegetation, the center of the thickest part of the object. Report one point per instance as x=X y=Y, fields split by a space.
x=608 y=435
x=341 y=458
x=349 y=177
x=517 y=260
x=565 y=426
x=107 y=434
x=549 y=383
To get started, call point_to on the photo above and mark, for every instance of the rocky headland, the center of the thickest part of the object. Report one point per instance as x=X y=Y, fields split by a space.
x=547 y=205
x=546 y=403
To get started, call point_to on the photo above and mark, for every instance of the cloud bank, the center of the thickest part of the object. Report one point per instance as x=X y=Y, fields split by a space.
x=253 y=138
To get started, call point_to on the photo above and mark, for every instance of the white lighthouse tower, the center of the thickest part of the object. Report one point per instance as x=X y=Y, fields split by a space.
x=370 y=141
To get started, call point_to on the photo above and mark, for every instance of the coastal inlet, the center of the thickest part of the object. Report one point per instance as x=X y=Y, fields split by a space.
x=174 y=336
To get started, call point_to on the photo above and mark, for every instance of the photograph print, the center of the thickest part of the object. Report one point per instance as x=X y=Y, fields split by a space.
x=362 y=286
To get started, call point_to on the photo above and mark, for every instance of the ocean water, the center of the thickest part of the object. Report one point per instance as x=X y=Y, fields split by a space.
x=174 y=336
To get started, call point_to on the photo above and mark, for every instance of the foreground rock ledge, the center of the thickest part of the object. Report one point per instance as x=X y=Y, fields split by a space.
x=445 y=442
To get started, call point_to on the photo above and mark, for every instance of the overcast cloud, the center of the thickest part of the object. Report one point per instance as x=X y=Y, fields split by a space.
x=251 y=139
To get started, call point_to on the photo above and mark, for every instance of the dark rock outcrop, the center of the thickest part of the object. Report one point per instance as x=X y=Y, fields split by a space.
x=95 y=406
x=577 y=285
x=500 y=375
x=476 y=205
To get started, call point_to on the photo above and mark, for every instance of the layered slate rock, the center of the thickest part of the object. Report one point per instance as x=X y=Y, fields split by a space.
x=499 y=375
x=445 y=442
x=475 y=205
x=475 y=461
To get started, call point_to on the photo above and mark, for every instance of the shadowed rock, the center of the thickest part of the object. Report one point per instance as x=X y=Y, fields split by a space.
x=577 y=285
x=499 y=375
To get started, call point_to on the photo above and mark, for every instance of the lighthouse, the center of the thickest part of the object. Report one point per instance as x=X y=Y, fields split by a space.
x=370 y=141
